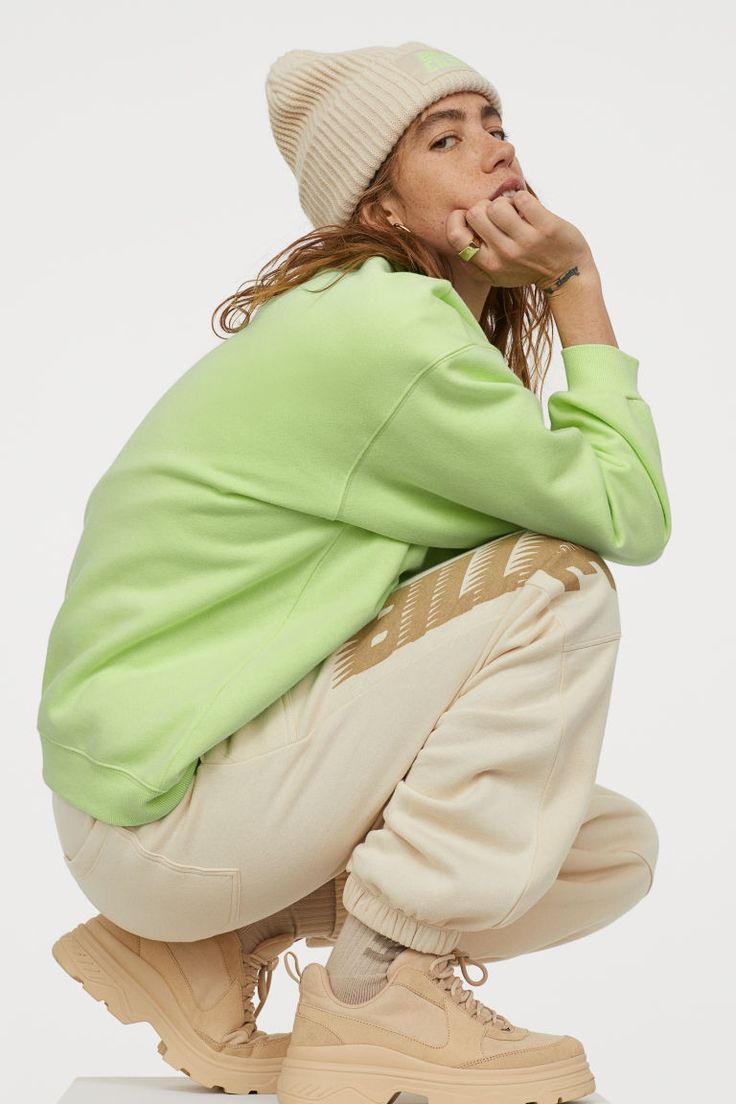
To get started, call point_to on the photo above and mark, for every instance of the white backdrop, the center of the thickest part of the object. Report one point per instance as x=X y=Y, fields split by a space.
x=142 y=186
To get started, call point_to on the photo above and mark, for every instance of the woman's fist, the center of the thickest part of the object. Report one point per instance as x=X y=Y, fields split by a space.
x=522 y=241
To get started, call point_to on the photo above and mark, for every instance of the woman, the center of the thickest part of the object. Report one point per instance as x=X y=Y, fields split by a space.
x=337 y=645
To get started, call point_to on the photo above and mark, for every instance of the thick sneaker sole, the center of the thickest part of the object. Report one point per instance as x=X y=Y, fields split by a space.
x=135 y=993
x=358 y=1074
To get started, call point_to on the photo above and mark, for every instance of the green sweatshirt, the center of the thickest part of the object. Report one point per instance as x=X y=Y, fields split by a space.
x=284 y=485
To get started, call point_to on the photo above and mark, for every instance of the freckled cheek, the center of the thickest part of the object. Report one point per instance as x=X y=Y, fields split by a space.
x=435 y=229
x=433 y=224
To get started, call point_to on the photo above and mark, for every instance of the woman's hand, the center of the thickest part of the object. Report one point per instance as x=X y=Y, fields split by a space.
x=523 y=242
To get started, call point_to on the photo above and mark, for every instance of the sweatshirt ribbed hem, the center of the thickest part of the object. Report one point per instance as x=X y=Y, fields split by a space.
x=105 y=792
x=397 y=925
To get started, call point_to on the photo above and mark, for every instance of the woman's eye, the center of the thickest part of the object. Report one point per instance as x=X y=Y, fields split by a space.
x=504 y=136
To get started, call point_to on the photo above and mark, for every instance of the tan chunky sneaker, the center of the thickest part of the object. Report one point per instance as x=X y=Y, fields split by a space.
x=426 y=1034
x=197 y=996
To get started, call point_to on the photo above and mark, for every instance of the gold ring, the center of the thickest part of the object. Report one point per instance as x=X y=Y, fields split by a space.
x=470 y=250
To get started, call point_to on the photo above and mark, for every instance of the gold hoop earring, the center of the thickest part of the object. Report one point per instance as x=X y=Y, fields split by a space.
x=402 y=227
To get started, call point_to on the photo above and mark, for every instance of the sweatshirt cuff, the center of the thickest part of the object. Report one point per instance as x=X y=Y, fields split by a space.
x=603 y=367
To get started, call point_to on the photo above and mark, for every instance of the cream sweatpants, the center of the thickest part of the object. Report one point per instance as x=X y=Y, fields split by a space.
x=445 y=756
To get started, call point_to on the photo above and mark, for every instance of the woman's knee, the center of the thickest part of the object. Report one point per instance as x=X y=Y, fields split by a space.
x=580 y=585
x=571 y=563
x=619 y=823
x=526 y=551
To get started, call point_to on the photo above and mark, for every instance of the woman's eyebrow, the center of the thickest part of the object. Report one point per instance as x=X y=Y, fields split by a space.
x=453 y=113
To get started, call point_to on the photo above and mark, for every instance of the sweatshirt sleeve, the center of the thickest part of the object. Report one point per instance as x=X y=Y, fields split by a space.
x=465 y=456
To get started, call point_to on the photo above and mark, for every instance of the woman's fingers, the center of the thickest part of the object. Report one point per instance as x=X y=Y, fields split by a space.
x=463 y=225
x=457 y=230
x=500 y=215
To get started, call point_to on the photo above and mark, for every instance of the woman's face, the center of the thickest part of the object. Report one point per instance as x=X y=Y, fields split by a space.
x=449 y=163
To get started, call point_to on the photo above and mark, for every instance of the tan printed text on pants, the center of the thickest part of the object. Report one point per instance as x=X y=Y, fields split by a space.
x=445 y=755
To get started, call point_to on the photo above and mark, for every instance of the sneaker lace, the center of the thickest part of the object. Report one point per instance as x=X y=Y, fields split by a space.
x=442 y=970
x=296 y=976
x=257 y=974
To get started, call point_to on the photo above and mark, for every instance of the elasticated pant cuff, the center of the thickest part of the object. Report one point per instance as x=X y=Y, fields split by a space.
x=397 y=925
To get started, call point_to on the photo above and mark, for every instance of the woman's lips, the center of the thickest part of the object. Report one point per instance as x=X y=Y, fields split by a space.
x=512 y=184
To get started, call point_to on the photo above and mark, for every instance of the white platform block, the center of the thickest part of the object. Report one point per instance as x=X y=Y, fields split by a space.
x=182 y=1090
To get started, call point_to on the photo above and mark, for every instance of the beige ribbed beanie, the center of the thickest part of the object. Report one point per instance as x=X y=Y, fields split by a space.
x=337 y=116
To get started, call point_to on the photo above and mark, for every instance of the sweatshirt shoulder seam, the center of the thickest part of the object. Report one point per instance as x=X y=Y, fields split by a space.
x=394 y=411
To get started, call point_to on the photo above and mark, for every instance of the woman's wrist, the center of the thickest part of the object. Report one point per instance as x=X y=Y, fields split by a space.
x=578 y=307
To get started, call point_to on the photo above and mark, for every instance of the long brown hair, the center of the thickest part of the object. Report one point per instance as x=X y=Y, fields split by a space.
x=518 y=321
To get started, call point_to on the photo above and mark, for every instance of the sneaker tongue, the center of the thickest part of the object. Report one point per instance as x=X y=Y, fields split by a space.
x=419 y=960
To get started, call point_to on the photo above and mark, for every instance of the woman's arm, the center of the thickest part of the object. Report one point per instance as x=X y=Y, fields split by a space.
x=579 y=310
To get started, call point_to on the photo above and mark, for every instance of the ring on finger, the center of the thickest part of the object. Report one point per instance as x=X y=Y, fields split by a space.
x=469 y=251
